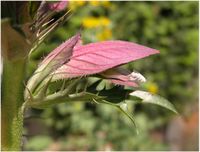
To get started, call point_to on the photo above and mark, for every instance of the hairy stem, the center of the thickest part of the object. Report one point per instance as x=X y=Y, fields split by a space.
x=12 y=100
x=14 y=52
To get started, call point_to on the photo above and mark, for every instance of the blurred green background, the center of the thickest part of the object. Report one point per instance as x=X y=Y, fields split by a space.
x=172 y=28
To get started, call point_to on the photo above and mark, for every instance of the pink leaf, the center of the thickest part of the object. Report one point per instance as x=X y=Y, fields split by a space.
x=61 y=54
x=98 y=57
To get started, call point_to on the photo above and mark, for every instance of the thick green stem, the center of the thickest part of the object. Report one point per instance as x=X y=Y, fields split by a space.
x=12 y=101
x=14 y=52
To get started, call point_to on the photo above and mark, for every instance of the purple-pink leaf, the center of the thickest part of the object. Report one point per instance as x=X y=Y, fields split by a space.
x=62 y=53
x=98 y=57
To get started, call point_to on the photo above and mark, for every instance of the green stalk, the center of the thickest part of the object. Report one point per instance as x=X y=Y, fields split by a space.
x=14 y=52
x=12 y=100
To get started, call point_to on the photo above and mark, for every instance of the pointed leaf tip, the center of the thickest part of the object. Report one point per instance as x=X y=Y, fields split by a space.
x=63 y=52
x=154 y=99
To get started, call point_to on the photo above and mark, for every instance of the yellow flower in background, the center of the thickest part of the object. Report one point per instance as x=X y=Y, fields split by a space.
x=76 y=4
x=152 y=88
x=90 y=22
x=94 y=3
x=104 y=35
x=100 y=3
x=104 y=21
x=93 y=22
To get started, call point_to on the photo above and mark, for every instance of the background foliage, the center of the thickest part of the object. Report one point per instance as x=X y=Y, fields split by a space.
x=172 y=28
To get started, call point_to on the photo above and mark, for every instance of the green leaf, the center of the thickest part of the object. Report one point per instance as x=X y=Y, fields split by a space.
x=154 y=99
x=124 y=109
x=122 y=106
x=101 y=85
x=92 y=80
x=109 y=85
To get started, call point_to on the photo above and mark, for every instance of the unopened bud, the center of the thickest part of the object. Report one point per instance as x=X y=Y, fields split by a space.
x=54 y=60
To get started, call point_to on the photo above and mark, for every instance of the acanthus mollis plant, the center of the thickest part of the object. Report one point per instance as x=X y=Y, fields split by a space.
x=72 y=61
x=69 y=63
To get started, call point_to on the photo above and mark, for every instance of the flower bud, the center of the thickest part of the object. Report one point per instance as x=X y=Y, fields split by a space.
x=54 y=60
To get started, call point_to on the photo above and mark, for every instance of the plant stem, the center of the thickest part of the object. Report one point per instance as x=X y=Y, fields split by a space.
x=14 y=51
x=12 y=100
